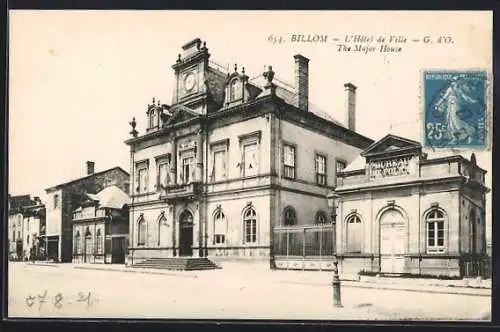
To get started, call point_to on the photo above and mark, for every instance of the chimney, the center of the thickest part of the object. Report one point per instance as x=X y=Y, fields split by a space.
x=350 y=102
x=90 y=167
x=302 y=82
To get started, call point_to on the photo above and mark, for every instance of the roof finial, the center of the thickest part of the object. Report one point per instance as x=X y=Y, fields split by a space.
x=133 y=124
x=269 y=74
x=179 y=57
x=235 y=67
x=153 y=101
x=243 y=70
x=158 y=102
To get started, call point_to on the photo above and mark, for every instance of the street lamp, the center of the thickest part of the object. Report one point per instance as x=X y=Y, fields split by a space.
x=333 y=203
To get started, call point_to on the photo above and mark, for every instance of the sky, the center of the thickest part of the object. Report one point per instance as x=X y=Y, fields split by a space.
x=77 y=78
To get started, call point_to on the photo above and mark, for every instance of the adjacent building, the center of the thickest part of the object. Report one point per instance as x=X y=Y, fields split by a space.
x=63 y=199
x=230 y=158
x=26 y=223
x=401 y=212
x=100 y=227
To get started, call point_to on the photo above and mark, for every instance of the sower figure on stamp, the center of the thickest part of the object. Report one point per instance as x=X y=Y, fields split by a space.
x=456 y=101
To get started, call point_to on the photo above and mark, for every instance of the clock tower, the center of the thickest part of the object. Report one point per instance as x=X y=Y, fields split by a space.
x=191 y=71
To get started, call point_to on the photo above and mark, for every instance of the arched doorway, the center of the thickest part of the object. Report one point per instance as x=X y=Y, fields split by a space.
x=392 y=241
x=186 y=234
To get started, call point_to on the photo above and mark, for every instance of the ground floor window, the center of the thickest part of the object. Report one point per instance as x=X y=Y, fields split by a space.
x=250 y=224
x=435 y=231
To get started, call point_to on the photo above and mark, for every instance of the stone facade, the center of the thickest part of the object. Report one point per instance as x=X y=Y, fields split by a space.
x=63 y=199
x=26 y=222
x=209 y=175
x=401 y=212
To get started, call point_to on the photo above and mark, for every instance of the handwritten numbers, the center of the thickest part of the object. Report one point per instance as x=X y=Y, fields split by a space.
x=57 y=300
x=42 y=299
x=82 y=297
x=30 y=300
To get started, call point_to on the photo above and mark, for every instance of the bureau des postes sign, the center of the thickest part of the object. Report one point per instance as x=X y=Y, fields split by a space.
x=390 y=167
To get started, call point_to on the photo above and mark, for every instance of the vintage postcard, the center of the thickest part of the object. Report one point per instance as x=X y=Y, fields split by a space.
x=284 y=165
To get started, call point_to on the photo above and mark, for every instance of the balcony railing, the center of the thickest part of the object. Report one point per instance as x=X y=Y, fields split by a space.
x=80 y=215
x=175 y=191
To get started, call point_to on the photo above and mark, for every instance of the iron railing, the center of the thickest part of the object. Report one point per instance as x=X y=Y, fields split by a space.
x=476 y=269
x=304 y=240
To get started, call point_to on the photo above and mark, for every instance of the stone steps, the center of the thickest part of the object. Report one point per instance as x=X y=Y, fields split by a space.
x=177 y=264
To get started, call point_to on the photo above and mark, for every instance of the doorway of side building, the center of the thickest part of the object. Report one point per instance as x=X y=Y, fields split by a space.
x=392 y=242
x=118 y=248
x=186 y=234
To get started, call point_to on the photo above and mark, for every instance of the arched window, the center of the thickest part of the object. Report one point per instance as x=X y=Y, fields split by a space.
x=161 y=221
x=220 y=227
x=250 y=225
x=320 y=218
x=289 y=216
x=141 y=231
x=77 y=244
x=98 y=242
x=473 y=231
x=353 y=229
x=234 y=90
x=435 y=231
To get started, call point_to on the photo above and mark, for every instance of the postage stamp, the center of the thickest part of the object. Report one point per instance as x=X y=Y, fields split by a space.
x=455 y=108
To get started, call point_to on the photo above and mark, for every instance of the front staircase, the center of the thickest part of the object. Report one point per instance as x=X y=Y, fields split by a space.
x=177 y=264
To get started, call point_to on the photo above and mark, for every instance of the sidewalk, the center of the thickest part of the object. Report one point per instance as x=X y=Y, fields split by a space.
x=313 y=278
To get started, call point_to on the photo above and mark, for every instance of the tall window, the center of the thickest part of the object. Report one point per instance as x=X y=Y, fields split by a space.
x=320 y=170
x=28 y=239
x=163 y=177
x=77 y=244
x=141 y=232
x=289 y=216
x=219 y=165
x=289 y=161
x=234 y=90
x=340 y=166
x=353 y=224
x=435 y=231
x=98 y=239
x=187 y=170
x=320 y=218
x=142 y=180
x=161 y=220
x=220 y=227
x=250 y=223
x=250 y=159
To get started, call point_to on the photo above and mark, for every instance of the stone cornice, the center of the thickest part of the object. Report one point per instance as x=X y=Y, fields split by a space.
x=367 y=186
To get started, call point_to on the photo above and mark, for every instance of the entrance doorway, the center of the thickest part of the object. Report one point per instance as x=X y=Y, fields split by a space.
x=118 y=250
x=186 y=234
x=392 y=242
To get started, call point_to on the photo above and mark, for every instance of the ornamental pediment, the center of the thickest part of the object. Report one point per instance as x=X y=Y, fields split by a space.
x=391 y=145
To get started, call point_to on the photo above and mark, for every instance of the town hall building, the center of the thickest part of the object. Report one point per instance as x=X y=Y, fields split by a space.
x=231 y=158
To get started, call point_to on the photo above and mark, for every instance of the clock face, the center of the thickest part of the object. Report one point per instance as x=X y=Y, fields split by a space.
x=189 y=82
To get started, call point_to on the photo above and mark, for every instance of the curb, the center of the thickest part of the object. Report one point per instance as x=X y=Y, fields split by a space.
x=41 y=264
x=374 y=286
x=135 y=271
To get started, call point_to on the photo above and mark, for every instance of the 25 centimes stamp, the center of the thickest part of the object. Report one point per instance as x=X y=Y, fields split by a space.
x=455 y=109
